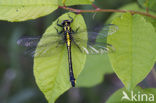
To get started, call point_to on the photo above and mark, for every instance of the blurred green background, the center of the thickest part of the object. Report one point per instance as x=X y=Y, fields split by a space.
x=17 y=83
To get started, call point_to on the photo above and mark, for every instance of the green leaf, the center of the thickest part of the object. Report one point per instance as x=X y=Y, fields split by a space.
x=151 y=4
x=131 y=6
x=135 y=48
x=21 y=10
x=75 y=2
x=52 y=72
x=153 y=21
x=117 y=96
x=134 y=6
x=95 y=68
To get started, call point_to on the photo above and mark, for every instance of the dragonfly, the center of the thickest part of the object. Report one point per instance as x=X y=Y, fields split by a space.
x=67 y=36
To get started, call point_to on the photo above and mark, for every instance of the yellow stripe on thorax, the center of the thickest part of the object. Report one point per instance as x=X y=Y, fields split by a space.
x=68 y=39
x=67 y=28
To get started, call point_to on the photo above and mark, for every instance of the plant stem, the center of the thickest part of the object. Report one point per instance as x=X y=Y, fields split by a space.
x=106 y=10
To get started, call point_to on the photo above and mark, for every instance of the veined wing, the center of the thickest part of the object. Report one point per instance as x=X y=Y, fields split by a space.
x=99 y=32
x=28 y=41
x=109 y=29
x=94 y=48
x=100 y=35
x=32 y=41
x=35 y=49
x=98 y=48
x=97 y=42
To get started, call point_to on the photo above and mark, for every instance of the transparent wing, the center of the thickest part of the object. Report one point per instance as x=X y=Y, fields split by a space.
x=94 y=48
x=46 y=50
x=101 y=48
x=32 y=42
x=96 y=42
x=101 y=31
x=28 y=41
x=109 y=29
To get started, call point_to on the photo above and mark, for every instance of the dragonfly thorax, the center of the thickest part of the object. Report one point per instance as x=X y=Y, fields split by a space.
x=66 y=23
x=66 y=26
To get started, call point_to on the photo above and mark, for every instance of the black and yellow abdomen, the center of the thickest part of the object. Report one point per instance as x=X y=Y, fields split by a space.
x=67 y=31
x=68 y=39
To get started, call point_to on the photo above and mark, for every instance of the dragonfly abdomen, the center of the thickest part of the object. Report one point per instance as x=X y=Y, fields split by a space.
x=68 y=39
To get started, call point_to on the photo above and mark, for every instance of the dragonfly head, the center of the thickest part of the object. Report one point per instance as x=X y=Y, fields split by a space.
x=66 y=23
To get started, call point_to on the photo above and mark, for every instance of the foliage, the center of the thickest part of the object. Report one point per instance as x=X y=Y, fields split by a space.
x=75 y=2
x=51 y=73
x=148 y=4
x=25 y=10
x=134 y=44
x=93 y=75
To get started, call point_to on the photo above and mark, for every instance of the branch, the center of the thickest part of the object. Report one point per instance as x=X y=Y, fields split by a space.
x=106 y=10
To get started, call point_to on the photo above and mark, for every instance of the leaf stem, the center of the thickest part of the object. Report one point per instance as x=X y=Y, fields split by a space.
x=106 y=10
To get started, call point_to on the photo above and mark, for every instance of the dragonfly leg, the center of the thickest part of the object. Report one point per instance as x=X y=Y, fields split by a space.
x=70 y=18
x=58 y=31
x=75 y=30
x=77 y=45
x=59 y=44
x=59 y=24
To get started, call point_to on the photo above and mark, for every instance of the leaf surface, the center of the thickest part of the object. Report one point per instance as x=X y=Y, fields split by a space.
x=95 y=68
x=136 y=7
x=52 y=72
x=135 y=47
x=75 y=2
x=21 y=10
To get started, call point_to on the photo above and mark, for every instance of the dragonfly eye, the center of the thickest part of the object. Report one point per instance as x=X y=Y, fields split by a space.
x=66 y=22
